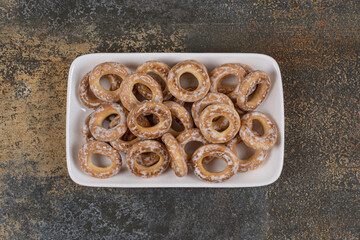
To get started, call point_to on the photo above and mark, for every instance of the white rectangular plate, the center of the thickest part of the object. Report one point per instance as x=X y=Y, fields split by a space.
x=273 y=106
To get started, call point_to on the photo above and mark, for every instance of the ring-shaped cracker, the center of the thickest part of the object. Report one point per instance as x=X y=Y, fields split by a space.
x=219 y=110
x=177 y=159
x=200 y=73
x=187 y=136
x=218 y=151
x=148 y=159
x=252 y=162
x=209 y=99
x=84 y=90
x=102 y=70
x=102 y=148
x=129 y=100
x=123 y=143
x=221 y=72
x=85 y=130
x=256 y=84
x=128 y=139
x=147 y=146
x=251 y=138
x=101 y=113
x=180 y=115
x=161 y=111
x=160 y=69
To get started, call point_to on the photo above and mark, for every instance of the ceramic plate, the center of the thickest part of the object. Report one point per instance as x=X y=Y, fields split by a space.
x=273 y=106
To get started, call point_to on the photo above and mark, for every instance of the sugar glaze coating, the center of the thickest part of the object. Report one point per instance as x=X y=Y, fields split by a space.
x=219 y=151
x=253 y=139
x=159 y=68
x=209 y=99
x=129 y=100
x=195 y=68
x=258 y=83
x=101 y=113
x=252 y=162
x=85 y=91
x=221 y=72
x=104 y=69
x=219 y=110
x=160 y=110
x=177 y=159
x=147 y=146
x=102 y=148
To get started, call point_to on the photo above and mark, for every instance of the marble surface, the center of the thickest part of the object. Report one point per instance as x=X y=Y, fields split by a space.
x=317 y=45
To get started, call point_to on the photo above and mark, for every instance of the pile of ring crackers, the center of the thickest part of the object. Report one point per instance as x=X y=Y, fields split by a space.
x=146 y=119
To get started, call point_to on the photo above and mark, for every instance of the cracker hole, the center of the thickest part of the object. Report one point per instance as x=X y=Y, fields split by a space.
x=188 y=80
x=187 y=106
x=106 y=122
x=257 y=127
x=104 y=82
x=100 y=160
x=147 y=159
x=140 y=97
x=144 y=120
x=177 y=125
x=251 y=96
x=128 y=136
x=220 y=124
x=243 y=151
x=191 y=147
x=152 y=118
x=215 y=165
x=229 y=80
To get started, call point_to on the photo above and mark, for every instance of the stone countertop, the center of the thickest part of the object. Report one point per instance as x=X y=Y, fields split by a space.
x=317 y=45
